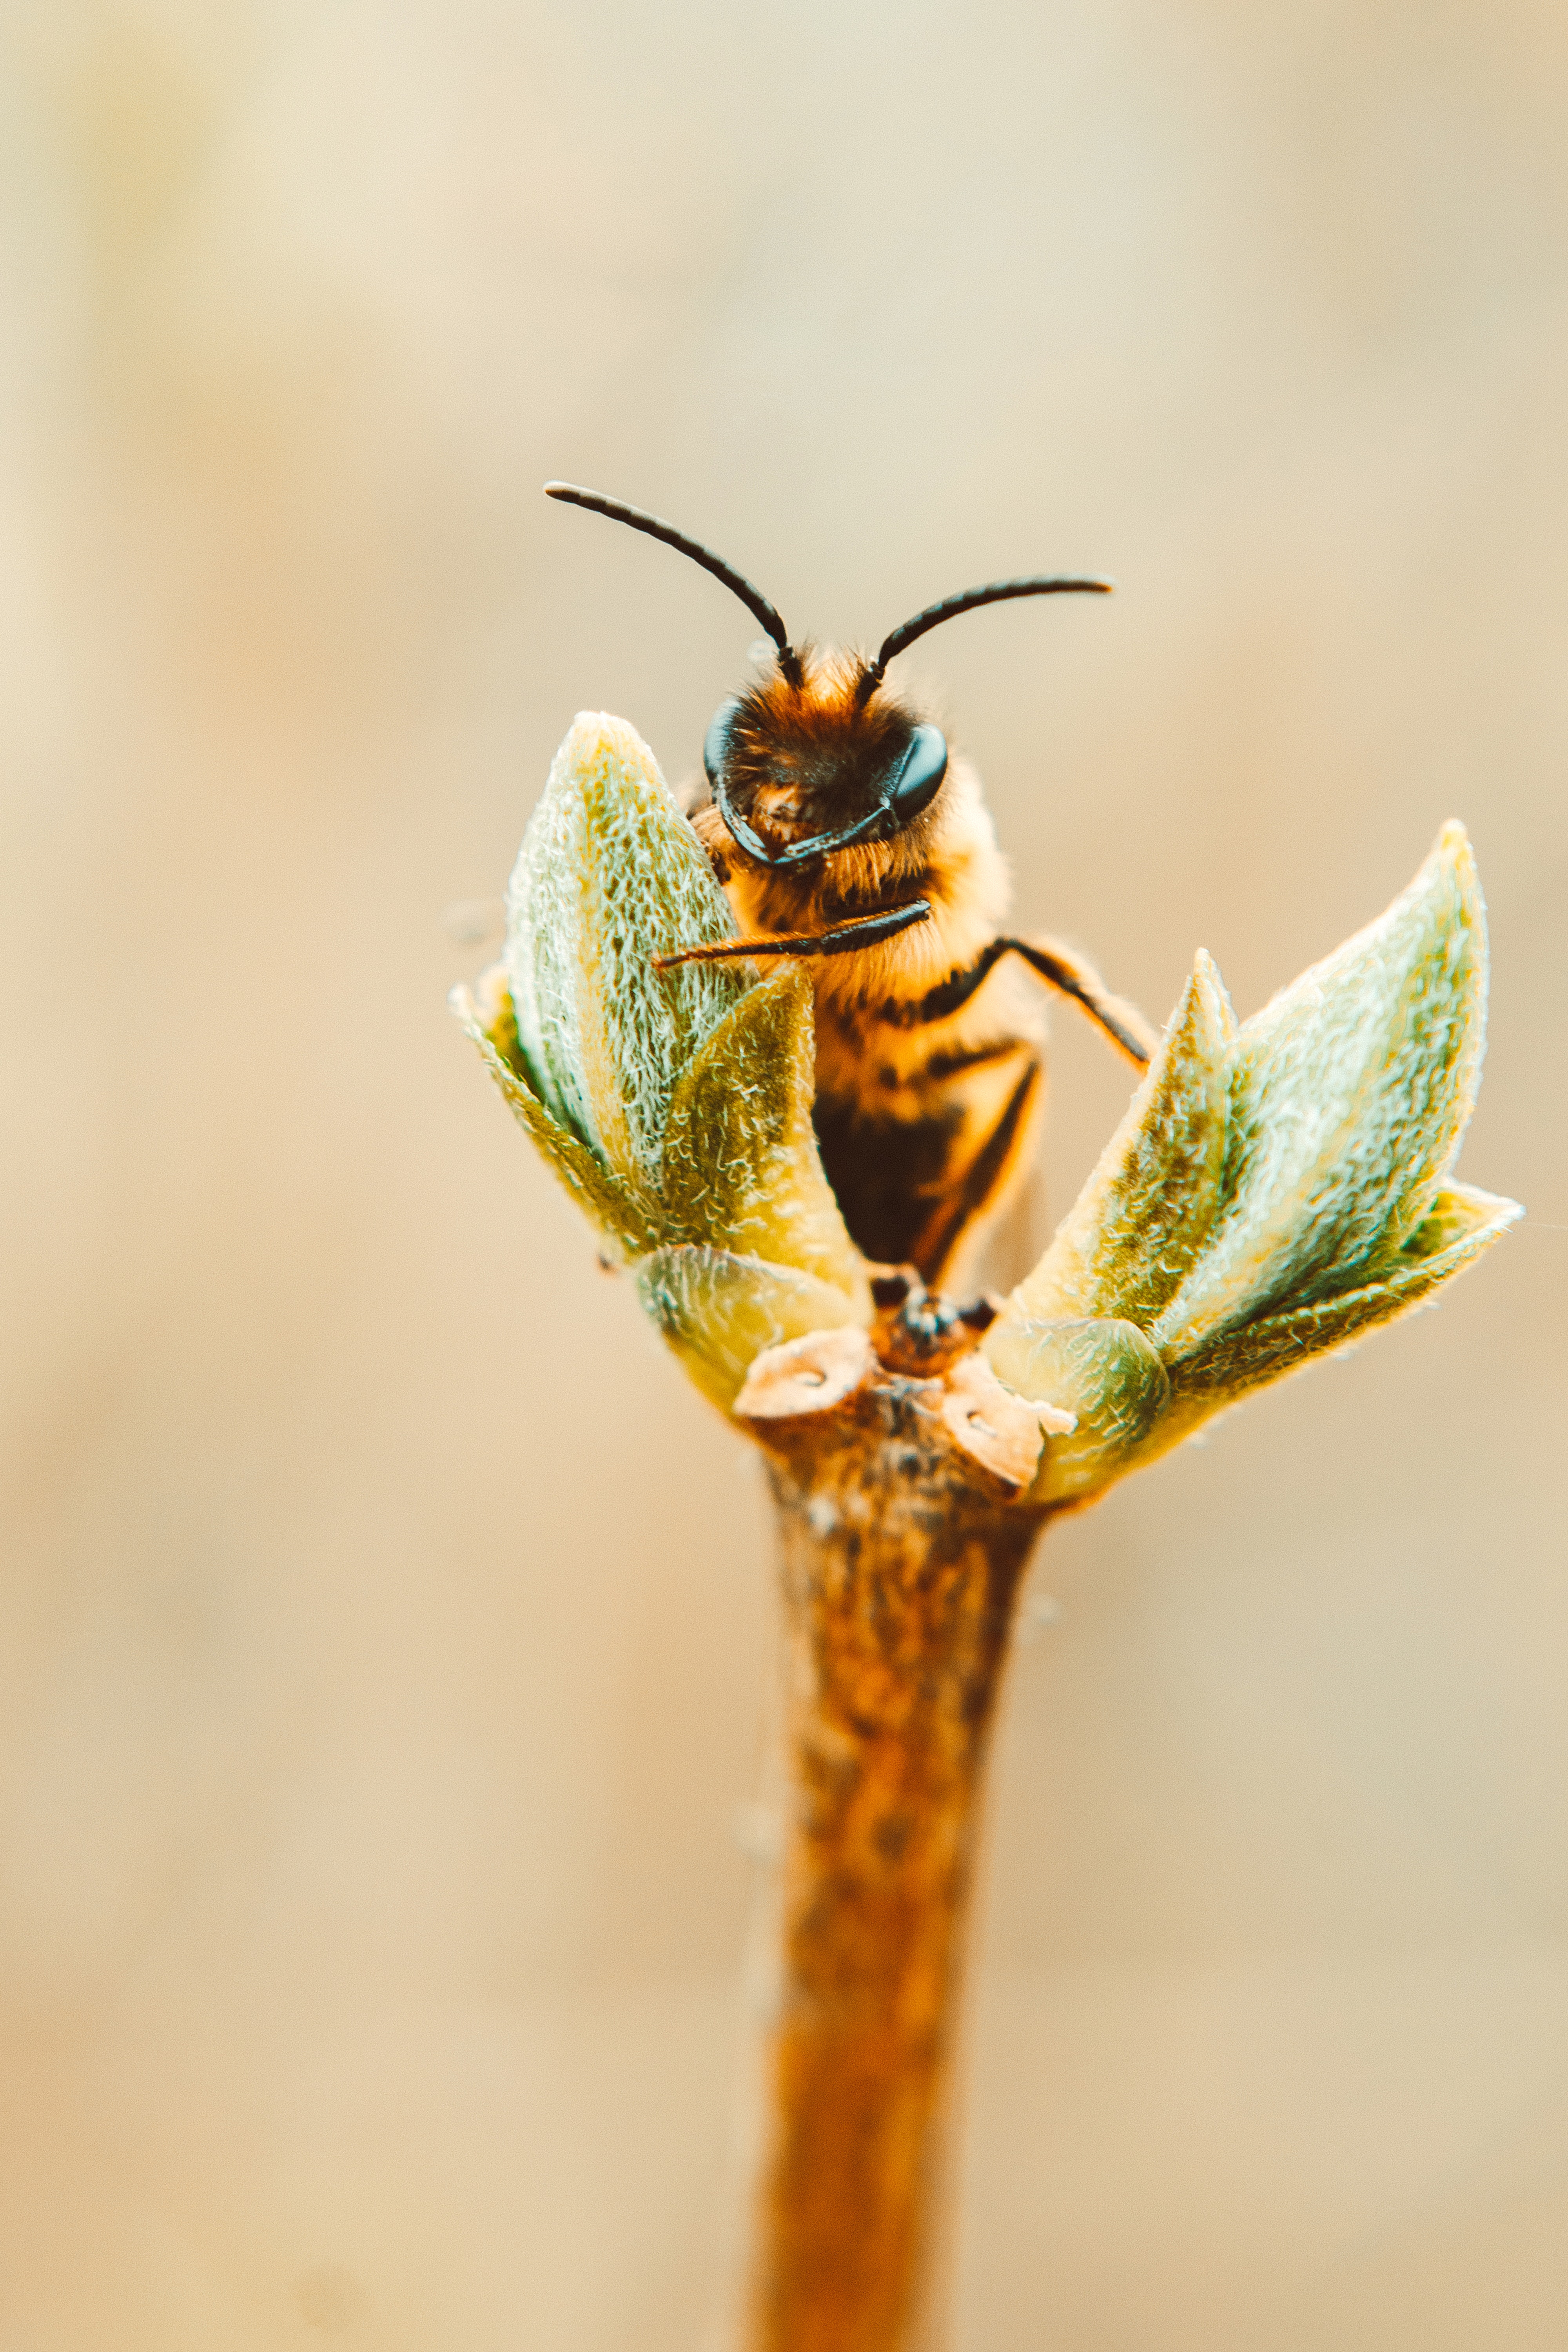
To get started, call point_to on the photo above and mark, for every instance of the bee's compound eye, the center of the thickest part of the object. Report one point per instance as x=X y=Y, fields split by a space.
x=925 y=764
x=716 y=742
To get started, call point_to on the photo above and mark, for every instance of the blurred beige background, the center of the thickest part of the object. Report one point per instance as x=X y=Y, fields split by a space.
x=387 y=1627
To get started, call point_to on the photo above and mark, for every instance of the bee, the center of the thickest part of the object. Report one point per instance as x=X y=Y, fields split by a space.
x=841 y=830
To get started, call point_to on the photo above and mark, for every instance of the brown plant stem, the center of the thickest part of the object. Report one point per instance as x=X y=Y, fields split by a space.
x=901 y=1558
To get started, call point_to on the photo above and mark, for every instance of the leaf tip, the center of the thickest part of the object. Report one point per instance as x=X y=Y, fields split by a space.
x=1451 y=864
x=593 y=732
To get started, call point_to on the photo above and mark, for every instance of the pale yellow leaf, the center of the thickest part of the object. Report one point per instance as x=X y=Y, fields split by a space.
x=719 y=1311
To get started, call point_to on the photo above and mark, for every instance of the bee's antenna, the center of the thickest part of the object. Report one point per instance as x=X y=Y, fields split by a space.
x=753 y=598
x=966 y=601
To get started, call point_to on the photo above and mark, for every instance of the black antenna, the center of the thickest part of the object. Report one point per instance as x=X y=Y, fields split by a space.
x=950 y=607
x=753 y=598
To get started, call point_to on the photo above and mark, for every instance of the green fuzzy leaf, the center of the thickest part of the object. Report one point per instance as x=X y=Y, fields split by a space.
x=1101 y=1369
x=1461 y=1223
x=741 y=1164
x=717 y=1310
x=611 y=875
x=627 y=1216
x=1349 y=1095
x=1138 y=1225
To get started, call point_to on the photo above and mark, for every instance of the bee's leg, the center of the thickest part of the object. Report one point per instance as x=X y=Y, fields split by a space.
x=863 y=931
x=1121 y=1022
x=987 y=1176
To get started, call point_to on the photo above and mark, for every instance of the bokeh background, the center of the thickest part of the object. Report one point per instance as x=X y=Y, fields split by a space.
x=388 y=1628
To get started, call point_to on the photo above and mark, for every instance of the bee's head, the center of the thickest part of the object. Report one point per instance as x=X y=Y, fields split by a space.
x=821 y=755
x=813 y=760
